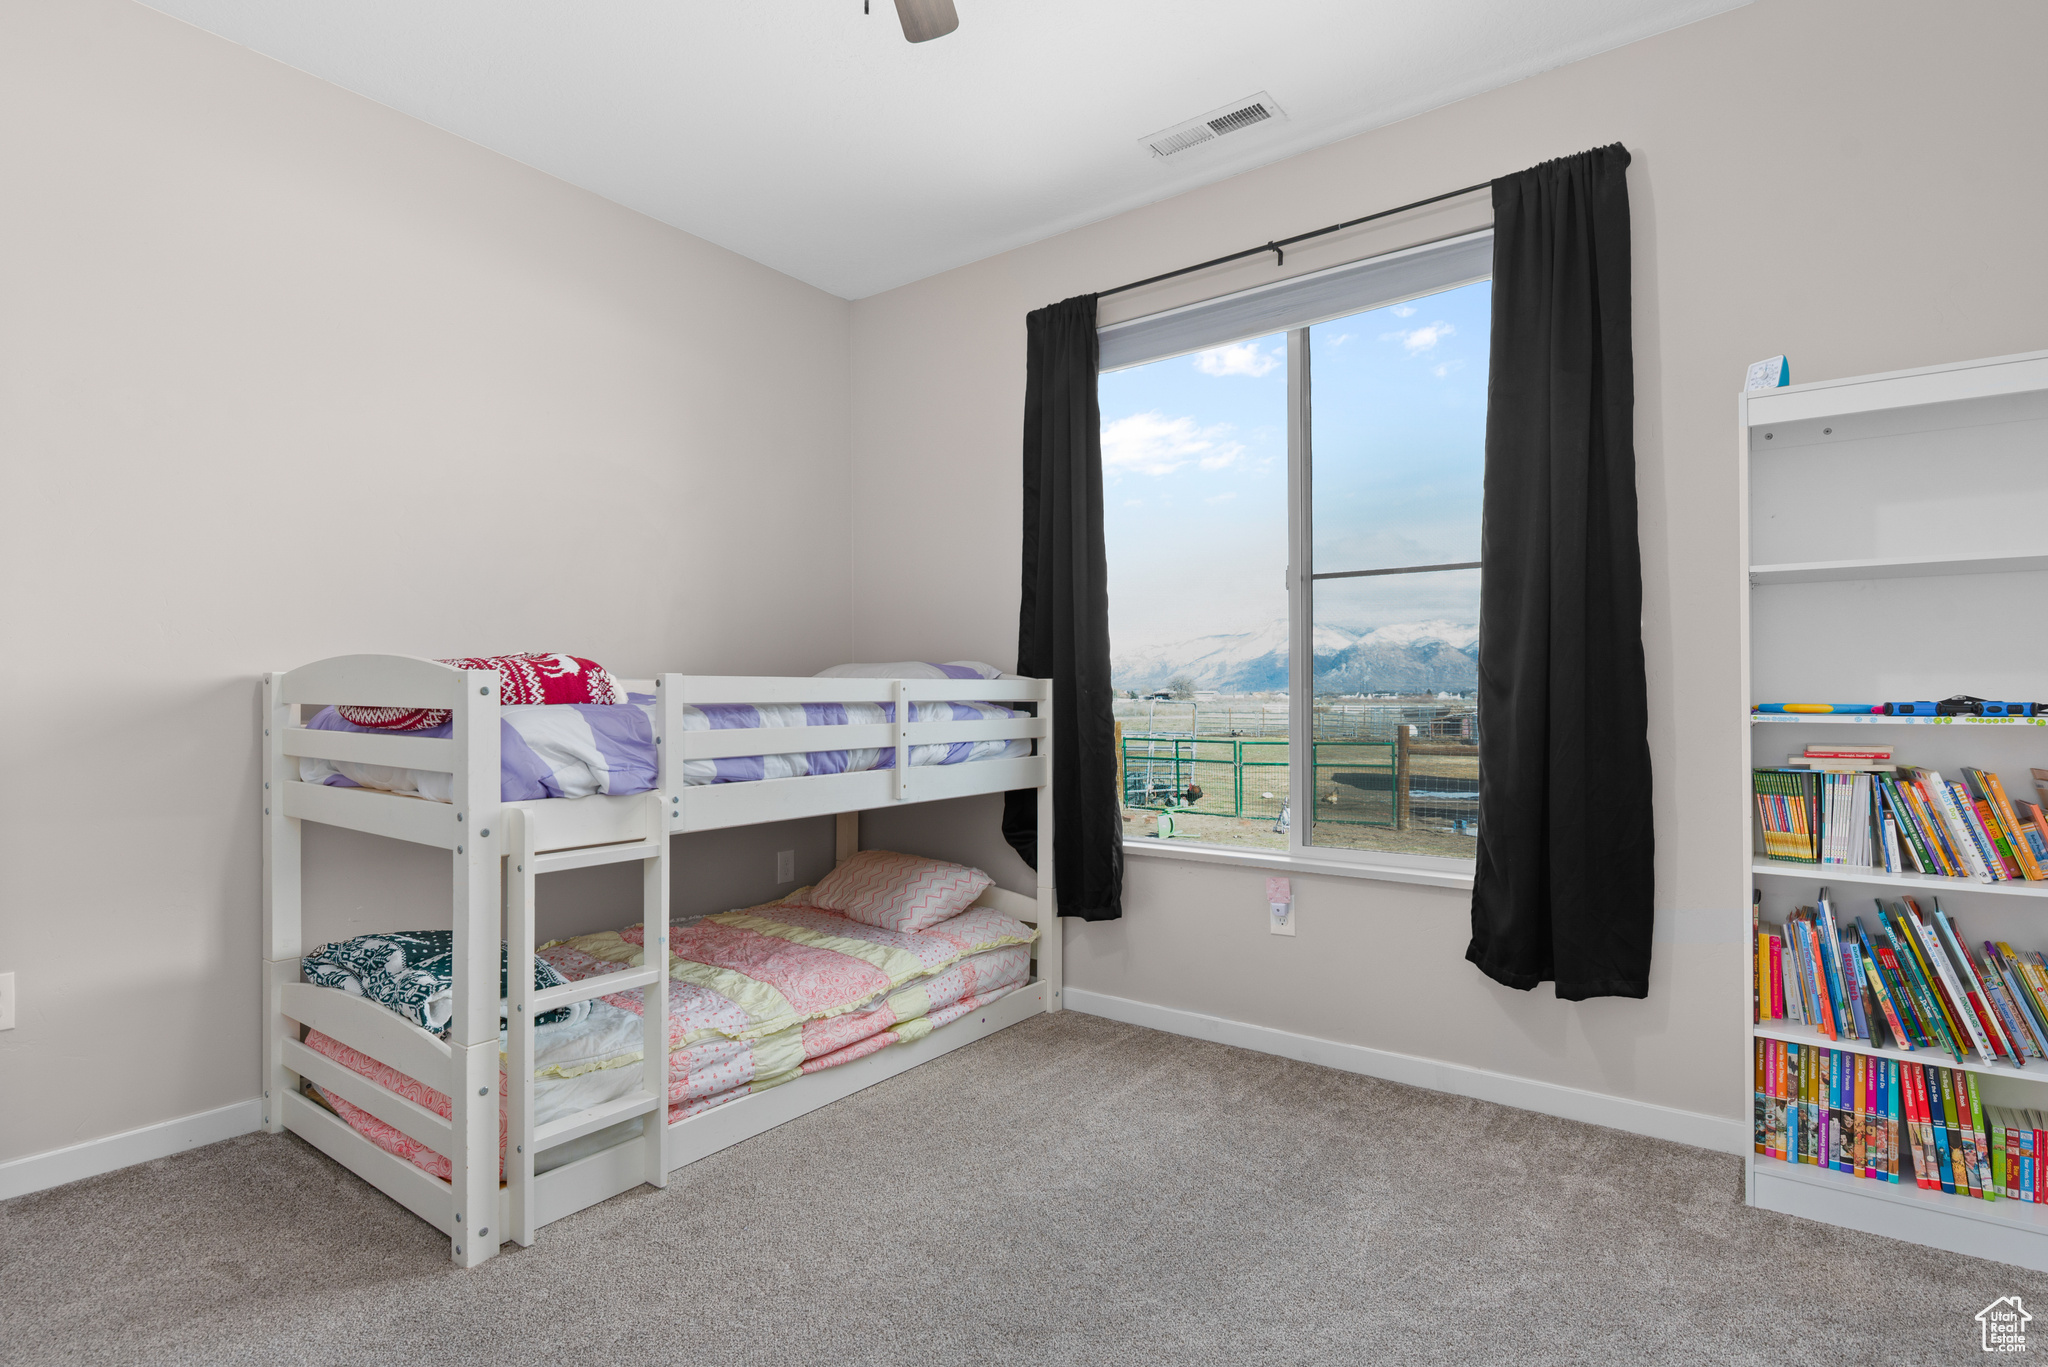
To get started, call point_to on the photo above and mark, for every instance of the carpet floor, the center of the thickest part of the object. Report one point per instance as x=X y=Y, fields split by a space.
x=1070 y=1190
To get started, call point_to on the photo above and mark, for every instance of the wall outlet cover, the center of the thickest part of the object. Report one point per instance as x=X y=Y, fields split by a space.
x=785 y=866
x=1280 y=905
x=6 y=1001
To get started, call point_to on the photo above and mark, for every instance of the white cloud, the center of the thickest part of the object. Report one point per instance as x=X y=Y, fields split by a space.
x=1134 y=503
x=1242 y=358
x=1154 y=444
x=1420 y=339
x=1446 y=368
x=1341 y=338
x=1404 y=310
x=1219 y=498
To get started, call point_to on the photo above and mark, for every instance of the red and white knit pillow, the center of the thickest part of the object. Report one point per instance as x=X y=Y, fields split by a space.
x=525 y=681
x=898 y=891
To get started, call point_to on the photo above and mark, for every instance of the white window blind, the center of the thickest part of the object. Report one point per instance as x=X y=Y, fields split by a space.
x=1306 y=299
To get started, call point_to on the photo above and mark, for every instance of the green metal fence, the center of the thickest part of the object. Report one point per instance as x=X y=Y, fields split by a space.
x=1356 y=781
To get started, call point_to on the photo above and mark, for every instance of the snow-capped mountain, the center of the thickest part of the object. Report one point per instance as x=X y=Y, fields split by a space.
x=1409 y=657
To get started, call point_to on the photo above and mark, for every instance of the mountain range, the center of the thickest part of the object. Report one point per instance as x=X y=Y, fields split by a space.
x=1409 y=657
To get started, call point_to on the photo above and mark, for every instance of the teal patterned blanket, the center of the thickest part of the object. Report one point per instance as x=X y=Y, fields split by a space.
x=413 y=973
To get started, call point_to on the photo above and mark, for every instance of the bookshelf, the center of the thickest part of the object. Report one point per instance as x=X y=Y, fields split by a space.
x=1895 y=542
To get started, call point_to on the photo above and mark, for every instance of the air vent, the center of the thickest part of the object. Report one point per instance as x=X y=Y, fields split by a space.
x=1217 y=123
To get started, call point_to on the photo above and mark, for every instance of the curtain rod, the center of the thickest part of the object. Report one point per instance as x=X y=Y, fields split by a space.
x=1278 y=248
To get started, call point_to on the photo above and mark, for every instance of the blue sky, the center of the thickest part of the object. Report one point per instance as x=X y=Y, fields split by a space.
x=1194 y=453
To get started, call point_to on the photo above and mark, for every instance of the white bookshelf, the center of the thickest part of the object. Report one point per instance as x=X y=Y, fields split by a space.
x=1896 y=548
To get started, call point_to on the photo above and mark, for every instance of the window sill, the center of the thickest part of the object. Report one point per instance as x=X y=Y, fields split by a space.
x=1279 y=861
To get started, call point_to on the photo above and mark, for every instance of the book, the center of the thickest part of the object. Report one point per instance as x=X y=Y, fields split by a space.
x=1860 y=1105
x=1919 y=1142
x=1871 y=753
x=2035 y=826
x=1875 y=975
x=1929 y=825
x=1960 y=1005
x=1962 y=1138
x=1809 y=1126
x=1974 y=1109
x=1993 y=826
x=1777 y=979
x=1922 y=1018
x=1895 y=1113
x=1959 y=844
x=2022 y=995
x=1935 y=1008
x=1979 y=995
x=1974 y=833
x=1762 y=1075
x=2034 y=987
x=1853 y=984
x=2031 y=864
x=1946 y=1166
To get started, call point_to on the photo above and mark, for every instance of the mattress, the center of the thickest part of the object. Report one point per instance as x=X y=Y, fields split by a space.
x=757 y=998
x=581 y=749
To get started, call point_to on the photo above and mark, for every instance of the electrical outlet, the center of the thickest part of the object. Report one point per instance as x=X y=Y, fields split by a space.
x=785 y=866
x=6 y=1001
x=1280 y=905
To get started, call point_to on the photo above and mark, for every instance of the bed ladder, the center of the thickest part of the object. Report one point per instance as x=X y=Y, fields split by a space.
x=525 y=860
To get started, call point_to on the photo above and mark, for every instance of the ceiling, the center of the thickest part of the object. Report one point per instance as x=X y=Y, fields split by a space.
x=815 y=140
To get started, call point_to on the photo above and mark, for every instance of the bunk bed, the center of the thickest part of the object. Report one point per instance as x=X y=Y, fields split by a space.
x=499 y=848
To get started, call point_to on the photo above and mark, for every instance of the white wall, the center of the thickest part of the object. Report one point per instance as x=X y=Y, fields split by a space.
x=285 y=374
x=1854 y=183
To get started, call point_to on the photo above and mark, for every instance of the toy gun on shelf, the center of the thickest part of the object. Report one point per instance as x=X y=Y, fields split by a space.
x=1963 y=705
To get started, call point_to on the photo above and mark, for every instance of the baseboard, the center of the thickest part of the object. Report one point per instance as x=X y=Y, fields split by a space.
x=1547 y=1098
x=39 y=1171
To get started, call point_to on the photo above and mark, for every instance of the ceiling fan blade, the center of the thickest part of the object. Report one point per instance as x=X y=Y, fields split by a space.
x=924 y=20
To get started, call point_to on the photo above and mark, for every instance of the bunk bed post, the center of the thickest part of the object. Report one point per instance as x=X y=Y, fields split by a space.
x=473 y=1029
x=654 y=998
x=903 y=707
x=845 y=837
x=668 y=769
x=282 y=924
x=519 y=877
x=1051 y=934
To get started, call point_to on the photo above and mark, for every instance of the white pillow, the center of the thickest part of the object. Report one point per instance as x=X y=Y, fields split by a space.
x=898 y=891
x=913 y=669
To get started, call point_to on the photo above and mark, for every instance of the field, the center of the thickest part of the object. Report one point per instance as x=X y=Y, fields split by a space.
x=1223 y=768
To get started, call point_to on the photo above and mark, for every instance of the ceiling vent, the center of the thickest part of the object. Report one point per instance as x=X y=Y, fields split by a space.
x=1217 y=123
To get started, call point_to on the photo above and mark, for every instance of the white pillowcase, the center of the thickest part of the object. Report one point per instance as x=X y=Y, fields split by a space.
x=898 y=891
x=908 y=669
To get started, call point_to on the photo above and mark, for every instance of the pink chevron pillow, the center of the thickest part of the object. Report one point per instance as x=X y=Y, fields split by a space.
x=898 y=891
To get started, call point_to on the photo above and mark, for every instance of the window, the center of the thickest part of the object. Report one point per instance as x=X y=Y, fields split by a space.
x=1292 y=506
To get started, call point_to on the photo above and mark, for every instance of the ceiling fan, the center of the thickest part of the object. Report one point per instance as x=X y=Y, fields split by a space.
x=924 y=20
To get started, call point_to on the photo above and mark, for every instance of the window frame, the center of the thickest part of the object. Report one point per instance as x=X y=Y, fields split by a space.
x=1179 y=325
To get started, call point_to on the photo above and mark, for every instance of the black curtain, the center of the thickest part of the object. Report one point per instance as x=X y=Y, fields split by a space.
x=1564 y=880
x=1063 y=624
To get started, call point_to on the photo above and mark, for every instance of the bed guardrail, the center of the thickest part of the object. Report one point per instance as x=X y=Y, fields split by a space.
x=901 y=783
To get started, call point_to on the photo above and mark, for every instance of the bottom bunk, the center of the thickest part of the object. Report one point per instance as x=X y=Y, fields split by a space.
x=773 y=1011
x=612 y=1165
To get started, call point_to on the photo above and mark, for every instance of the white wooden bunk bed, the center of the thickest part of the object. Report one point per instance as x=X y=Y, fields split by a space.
x=498 y=849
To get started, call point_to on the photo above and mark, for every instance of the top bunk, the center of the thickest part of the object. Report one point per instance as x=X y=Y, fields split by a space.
x=683 y=753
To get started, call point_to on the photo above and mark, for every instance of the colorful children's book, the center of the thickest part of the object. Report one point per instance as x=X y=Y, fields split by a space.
x=2031 y=864
x=1945 y=973
x=1980 y=995
x=1976 y=1114
x=1946 y=1163
x=1936 y=1009
x=1918 y=1141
